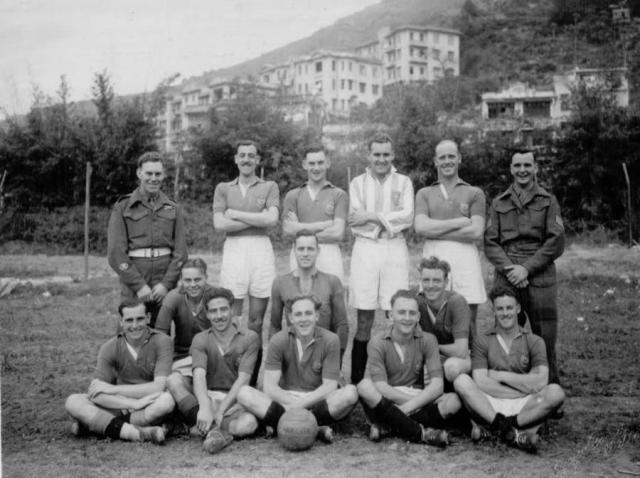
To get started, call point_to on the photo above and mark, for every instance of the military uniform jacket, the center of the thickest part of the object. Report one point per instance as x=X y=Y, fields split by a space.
x=525 y=230
x=135 y=224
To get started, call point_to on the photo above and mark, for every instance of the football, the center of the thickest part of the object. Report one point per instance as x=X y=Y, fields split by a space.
x=297 y=429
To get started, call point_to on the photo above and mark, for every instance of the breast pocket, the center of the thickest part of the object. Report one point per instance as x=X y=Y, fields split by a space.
x=508 y=221
x=261 y=202
x=137 y=222
x=316 y=367
x=537 y=211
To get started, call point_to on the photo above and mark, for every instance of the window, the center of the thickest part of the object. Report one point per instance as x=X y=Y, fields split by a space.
x=411 y=70
x=435 y=54
x=342 y=104
x=363 y=87
x=410 y=35
x=265 y=78
x=342 y=84
x=422 y=37
x=497 y=109
x=318 y=66
x=375 y=89
x=374 y=71
x=363 y=70
x=306 y=69
x=333 y=65
x=342 y=65
x=350 y=66
x=421 y=71
x=537 y=108
x=350 y=85
x=333 y=84
x=306 y=87
x=450 y=56
x=334 y=104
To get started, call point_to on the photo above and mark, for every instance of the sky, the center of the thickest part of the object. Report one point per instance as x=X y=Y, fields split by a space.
x=142 y=42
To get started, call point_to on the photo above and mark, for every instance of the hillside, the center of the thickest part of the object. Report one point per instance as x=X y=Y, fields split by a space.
x=353 y=30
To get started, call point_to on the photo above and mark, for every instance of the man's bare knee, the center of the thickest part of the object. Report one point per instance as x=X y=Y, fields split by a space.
x=368 y=392
x=175 y=381
x=449 y=404
x=554 y=395
x=76 y=402
x=463 y=384
x=165 y=403
x=246 y=424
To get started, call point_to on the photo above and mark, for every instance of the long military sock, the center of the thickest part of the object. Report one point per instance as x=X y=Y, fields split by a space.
x=358 y=360
x=114 y=427
x=321 y=412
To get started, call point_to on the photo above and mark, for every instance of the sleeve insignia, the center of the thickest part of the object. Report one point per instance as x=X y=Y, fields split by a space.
x=124 y=266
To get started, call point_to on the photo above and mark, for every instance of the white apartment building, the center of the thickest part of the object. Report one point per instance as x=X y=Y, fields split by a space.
x=415 y=53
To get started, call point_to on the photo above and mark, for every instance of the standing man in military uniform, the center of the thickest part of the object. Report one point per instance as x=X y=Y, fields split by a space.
x=146 y=243
x=524 y=237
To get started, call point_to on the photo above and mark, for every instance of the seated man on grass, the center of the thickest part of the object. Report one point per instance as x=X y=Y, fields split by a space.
x=446 y=315
x=126 y=397
x=301 y=371
x=184 y=307
x=402 y=393
x=223 y=359
x=510 y=391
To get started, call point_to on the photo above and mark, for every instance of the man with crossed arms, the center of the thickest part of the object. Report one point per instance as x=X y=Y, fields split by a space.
x=320 y=207
x=381 y=208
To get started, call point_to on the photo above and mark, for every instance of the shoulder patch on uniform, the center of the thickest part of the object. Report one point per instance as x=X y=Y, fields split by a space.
x=559 y=221
x=124 y=266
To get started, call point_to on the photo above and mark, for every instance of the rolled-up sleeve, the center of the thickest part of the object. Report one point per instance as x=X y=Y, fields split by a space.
x=400 y=218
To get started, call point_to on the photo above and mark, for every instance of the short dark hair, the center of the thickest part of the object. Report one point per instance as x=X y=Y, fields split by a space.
x=435 y=263
x=247 y=142
x=129 y=303
x=313 y=148
x=501 y=291
x=150 y=157
x=403 y=294
x=306 y=233
x=380 y=138
x=216 y=293
x=314 y=300
x=195 y=263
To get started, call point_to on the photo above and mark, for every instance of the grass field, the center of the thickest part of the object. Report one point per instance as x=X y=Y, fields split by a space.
x=49 y=345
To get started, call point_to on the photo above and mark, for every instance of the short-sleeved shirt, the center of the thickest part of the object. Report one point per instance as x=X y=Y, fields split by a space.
x=330 y=203
x=222 y=368
x=465 y=200
x=117 y=366
x=320 y=359
x=327 y=288
x=421 y=360
x=260 y=195
x=452 y=319
x=527 y=352
x=175 y=309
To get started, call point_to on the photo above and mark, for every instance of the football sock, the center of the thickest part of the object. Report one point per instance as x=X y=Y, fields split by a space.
x=429 y=416
x=358 y=360
x=274 y=412
x=188 y=408
x=114 y=427
x=321 y=412
x=389 y=415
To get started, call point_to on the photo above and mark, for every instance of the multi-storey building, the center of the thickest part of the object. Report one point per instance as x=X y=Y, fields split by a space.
x=415 y=53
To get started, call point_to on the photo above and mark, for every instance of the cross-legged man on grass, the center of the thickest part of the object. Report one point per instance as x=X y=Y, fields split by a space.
x=403 y=390
x=381 y=208
x=223 y=358
x=127 y=397
x=510 y=391
x=446 y=315
x=301 y=371
x=307 y=279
